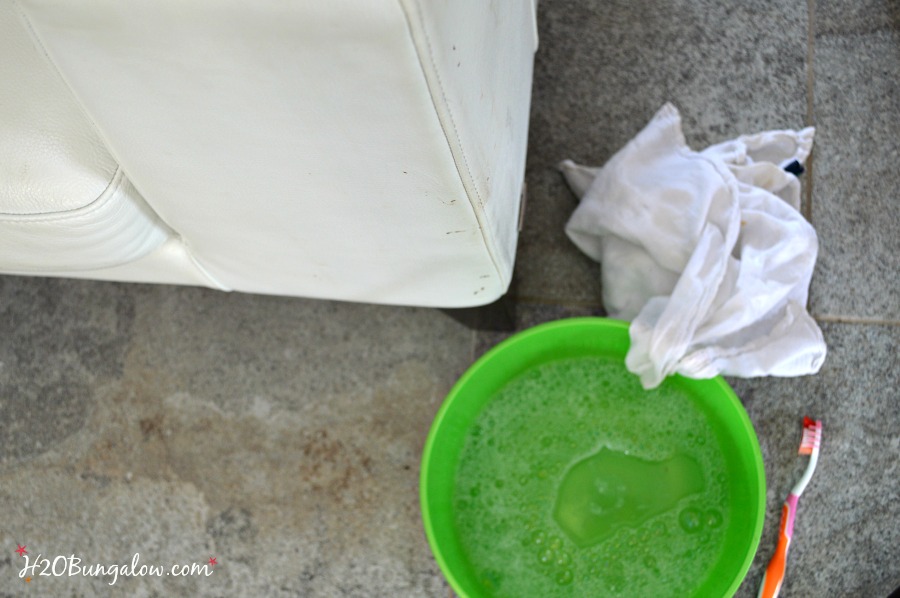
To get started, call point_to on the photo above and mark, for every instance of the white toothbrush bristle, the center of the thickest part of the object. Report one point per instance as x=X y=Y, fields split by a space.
x=812 y=436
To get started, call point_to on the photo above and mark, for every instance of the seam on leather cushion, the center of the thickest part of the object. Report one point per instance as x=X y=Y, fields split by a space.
x=115 y=184
x=53 y=158
x=211 y=280
x=116 y=228
x=444 y=115
x=443 y=103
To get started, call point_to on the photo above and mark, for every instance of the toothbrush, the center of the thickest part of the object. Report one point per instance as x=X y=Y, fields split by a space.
x=809 y=445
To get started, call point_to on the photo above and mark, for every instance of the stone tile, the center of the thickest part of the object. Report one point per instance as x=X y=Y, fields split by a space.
x=858 y=16
x=604 y=68
x=846 y=535
x=58 y=339
x=280 y=435
x=856 y=178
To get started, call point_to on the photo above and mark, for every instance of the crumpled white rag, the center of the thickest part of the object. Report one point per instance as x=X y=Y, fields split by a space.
x=705 y=252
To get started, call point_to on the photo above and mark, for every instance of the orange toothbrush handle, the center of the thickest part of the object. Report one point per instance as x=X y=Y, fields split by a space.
x=774 y=576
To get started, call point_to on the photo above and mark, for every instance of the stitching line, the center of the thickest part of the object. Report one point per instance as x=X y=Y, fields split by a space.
x=119 y=171
x=446 y=104
x=115 y=184
x=101 y=136
x=464 y=171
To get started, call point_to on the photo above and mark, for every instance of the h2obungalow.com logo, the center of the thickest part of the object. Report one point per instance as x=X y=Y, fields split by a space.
x=35 y=567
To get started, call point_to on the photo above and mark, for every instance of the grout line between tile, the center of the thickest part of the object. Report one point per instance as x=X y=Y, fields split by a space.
x=829 y=318
x=810 y=63
x=810 y=104
x=832 y=319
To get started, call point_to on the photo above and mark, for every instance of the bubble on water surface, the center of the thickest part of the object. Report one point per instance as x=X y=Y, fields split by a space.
x=690 y=520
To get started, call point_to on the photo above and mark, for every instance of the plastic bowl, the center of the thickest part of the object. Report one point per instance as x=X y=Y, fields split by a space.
x=573 y=339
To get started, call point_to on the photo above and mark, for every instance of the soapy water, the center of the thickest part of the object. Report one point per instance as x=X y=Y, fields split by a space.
x=578 y=483
x=609 y=489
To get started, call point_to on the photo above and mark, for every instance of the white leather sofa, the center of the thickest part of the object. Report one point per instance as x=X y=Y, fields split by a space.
x=367 y=151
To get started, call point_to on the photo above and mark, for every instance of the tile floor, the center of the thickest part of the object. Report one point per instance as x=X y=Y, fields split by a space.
x=283 y=435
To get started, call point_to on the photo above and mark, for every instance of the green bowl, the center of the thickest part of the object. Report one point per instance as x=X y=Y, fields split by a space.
x=733 y=445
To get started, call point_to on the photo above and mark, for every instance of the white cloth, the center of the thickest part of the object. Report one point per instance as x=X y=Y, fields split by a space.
x=706 y=253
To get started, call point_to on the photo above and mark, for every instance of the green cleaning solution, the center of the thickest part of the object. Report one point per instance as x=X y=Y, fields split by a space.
x=575 y=481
